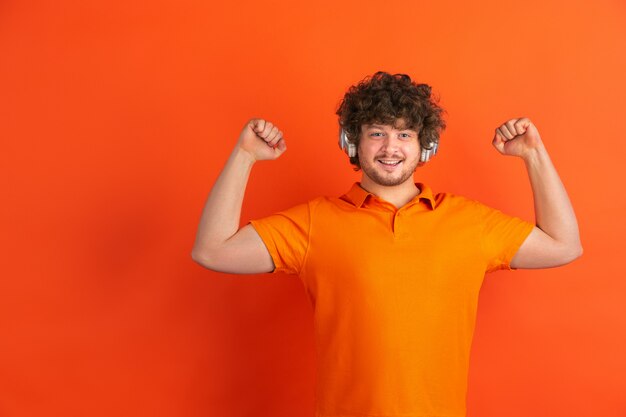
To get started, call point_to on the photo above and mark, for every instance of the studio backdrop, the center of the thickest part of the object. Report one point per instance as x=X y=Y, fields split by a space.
x=116 y=118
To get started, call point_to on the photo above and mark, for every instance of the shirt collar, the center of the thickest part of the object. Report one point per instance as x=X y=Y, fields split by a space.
x=357 y=195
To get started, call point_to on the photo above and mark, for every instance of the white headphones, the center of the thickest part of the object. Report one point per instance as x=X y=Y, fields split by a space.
x=350 y=148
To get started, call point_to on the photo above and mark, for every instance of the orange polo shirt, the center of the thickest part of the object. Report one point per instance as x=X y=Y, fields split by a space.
x=394 y=293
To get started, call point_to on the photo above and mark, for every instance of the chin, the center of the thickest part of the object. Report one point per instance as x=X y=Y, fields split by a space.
x=389 y=181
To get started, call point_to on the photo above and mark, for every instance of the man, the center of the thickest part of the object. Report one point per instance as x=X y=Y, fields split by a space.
x=392 y=269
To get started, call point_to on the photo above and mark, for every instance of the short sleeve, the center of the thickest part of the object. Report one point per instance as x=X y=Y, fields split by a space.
x=286 y=236
x=502 y=236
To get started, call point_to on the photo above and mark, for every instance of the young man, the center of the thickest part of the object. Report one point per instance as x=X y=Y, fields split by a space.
x=392 y=269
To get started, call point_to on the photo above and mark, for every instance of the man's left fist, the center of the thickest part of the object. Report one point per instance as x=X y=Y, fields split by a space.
x=517 y=137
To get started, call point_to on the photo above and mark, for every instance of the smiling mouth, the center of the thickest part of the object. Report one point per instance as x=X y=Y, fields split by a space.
x=389 y=162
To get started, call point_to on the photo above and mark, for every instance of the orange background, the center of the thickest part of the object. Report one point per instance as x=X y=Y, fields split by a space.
x=116 y=118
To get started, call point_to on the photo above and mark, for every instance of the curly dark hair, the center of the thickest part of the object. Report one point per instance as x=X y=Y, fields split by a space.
x=383 y=98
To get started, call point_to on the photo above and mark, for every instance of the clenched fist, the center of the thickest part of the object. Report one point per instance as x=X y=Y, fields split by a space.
x=517 y=137
x=262 y=140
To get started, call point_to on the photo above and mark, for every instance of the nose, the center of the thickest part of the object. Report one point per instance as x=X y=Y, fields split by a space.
x=390 y=144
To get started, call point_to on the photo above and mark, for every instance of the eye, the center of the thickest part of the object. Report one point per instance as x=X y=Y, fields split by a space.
x=405 y=135
x=376 y=133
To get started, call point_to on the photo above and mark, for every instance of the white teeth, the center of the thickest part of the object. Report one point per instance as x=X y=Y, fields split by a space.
x=389 y=162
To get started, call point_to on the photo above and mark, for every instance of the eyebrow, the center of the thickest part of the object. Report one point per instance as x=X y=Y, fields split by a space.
x=382 y=126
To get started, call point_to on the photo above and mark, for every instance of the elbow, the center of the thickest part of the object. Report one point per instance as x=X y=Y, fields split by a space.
x=202 y=258
x=195 y=256
x=574 y=253
x=577 y=249
x=566 y=254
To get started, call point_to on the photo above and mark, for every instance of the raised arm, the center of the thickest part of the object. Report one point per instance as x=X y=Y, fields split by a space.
x=555 y=240
x=220 y=245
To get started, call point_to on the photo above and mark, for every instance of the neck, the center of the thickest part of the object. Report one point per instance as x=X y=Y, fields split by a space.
x=398 y=195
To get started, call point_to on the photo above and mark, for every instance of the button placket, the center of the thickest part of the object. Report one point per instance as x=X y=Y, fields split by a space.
x=397 y=228
x=401 y=222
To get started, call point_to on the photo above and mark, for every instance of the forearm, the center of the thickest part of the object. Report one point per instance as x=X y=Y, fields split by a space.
x=554 y=213
x=221 y=214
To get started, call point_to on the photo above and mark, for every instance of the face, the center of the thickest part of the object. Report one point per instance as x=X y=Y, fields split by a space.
x=388 y=156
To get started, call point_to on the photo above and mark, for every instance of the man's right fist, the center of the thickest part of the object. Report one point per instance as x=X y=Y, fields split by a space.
x=262 y=140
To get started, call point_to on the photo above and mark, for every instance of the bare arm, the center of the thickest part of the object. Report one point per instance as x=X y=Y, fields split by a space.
x=220 y=245
x=555 y=240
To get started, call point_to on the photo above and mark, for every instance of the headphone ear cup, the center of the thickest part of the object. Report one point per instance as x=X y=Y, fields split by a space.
x=343 y=140
x=351 y=150
x=426 y=154
x=345 y=145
